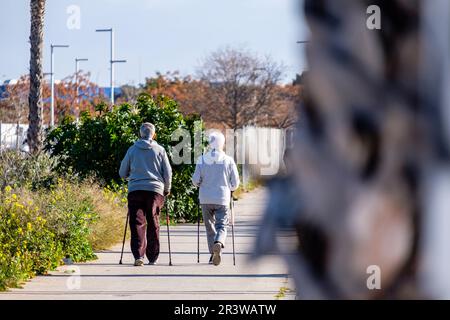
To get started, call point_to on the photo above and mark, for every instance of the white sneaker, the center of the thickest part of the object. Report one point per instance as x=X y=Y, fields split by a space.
x=152 y=263
x=217 y=253
x=138 y=262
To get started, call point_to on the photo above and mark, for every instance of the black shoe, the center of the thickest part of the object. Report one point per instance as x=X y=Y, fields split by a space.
x=211 y=259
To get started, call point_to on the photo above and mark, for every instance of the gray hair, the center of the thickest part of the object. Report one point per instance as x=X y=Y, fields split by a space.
x=147 y=130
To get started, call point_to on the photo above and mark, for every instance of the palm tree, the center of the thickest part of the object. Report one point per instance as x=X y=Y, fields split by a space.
x=36 y=75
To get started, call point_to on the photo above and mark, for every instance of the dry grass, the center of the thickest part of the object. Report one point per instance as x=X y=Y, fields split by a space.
x=107 y=229
x=112 y=211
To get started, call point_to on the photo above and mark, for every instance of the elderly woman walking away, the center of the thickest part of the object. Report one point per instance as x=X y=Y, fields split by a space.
x=147 y=168
x=217 y=176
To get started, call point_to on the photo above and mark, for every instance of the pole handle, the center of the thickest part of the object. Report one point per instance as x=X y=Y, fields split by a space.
x=232 y=210
x=232 y=228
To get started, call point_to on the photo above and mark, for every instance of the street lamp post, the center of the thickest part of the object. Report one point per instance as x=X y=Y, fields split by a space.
x=305 y=42
x=112 y=61
x=52 y=82
x=77 y=64
x=45 y=74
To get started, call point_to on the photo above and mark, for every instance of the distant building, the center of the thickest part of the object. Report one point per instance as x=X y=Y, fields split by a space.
x=2 y=91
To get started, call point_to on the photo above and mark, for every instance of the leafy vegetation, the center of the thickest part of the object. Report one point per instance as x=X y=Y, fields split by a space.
x=27 y=245
x=44 y=219
x=31 y=171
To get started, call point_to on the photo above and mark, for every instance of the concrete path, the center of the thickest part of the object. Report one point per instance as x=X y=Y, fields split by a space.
x=186 y=279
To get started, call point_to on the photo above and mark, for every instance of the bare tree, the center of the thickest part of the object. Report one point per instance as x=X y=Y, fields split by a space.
x=37 y=8
x=130 y=93
x=241 y=87
x=14 y=103
x=283 y=112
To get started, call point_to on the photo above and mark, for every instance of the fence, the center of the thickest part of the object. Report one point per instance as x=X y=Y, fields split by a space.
x=260 y=150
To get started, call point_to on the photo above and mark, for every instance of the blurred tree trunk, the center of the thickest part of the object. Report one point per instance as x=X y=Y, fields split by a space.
x=37 y=8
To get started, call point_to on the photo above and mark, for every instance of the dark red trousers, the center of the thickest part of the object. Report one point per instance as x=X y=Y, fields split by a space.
x=144 y=208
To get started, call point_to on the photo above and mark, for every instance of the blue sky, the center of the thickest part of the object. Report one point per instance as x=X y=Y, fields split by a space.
x=153 y=35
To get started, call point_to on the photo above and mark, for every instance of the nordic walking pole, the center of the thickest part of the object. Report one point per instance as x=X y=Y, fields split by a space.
x=168 y=236
x=124 y=236
x=232 y=228
x=198 y=233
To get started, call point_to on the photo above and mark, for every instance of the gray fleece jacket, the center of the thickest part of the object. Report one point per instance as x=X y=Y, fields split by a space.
x=147 y=167
x=217 y=175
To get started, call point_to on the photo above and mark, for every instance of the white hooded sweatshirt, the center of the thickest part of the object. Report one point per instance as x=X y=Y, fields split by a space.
x=217 y=175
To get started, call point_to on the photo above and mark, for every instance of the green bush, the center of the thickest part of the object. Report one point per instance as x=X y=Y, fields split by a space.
x=97 y=144
x=27 y=245
x=38 y=228
x=69 y=210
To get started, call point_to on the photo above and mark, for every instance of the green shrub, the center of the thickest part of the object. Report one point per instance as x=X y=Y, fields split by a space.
x=19 y=169
x=38 y=228
x=70 y=210
x=97 y=144
x=27 y=244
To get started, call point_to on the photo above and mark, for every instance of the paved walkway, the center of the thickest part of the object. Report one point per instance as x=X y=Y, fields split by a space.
x=186 y=279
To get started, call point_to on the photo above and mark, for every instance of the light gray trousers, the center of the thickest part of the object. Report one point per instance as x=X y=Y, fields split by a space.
x=216 y=222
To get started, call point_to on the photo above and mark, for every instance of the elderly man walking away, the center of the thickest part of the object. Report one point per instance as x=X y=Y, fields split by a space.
x=149 y=174
x=217 y=176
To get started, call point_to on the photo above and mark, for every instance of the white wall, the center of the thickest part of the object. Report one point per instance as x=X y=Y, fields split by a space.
x=12 y=136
